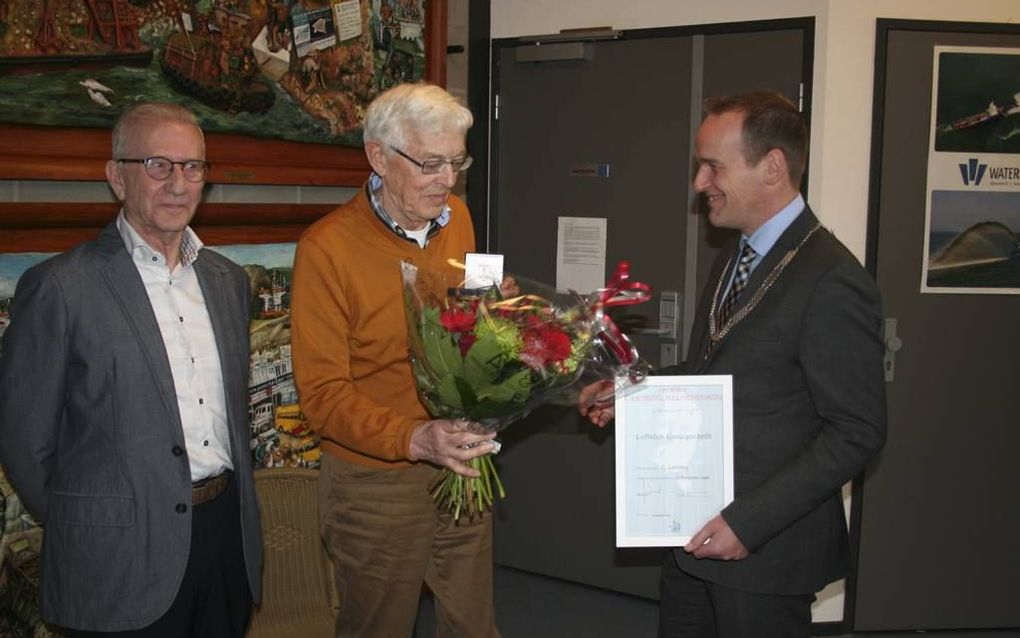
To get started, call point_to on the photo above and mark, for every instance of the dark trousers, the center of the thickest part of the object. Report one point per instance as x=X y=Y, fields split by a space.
x=214 y=600
x=693 y=608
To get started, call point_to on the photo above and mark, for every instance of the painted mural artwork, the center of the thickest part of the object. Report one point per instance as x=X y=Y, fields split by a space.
x=280 y=435
x=12 y=266
x=298 y=70
x=972 y=224
x=20 y=534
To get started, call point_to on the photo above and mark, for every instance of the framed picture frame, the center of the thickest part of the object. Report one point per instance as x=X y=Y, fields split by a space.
x=44 y=227
x=29 y=152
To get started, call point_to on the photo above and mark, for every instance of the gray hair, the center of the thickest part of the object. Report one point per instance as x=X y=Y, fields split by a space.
x=143 y=114
x=423 y=108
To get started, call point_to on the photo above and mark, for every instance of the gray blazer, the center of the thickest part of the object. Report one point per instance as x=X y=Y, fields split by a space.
x=809 y=411
x=90 y=425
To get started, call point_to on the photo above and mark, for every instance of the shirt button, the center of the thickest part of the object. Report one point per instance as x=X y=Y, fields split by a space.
x=205 y=443
x=181 y=319
x=154 y=258
x=180 y=508
x=201 y=401
x=177 y=450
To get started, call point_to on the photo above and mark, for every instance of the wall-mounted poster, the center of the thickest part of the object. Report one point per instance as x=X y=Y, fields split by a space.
x=12 y=266
x=972 y=225
x=298 y=70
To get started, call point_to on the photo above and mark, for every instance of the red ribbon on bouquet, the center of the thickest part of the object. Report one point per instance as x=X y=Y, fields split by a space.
x=619 y=291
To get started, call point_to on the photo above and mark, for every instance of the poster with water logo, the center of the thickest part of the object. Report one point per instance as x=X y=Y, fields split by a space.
x=972 y=224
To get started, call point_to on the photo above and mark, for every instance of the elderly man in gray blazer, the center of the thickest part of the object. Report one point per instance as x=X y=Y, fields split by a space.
x=123 y=407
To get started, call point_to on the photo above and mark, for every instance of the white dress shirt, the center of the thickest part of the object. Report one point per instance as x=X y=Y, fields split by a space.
x=179 y=306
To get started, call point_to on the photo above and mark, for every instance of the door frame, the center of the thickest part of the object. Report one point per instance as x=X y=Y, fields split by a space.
x=478 y=97
x=485 y=184
x=884 y=28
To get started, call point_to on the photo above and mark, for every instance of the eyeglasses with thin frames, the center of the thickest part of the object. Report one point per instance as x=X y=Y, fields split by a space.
x=161 y=168
x=435 y=165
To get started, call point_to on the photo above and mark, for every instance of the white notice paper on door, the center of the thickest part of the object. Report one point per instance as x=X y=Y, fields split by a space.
x=581 y=254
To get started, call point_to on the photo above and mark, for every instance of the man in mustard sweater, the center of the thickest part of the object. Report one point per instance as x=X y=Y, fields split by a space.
x=382 y=449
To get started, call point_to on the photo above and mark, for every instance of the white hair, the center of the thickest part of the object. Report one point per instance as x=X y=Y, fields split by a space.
x=423 y=108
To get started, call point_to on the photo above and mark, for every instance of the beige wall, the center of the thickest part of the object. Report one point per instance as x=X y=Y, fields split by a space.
x=843 y=72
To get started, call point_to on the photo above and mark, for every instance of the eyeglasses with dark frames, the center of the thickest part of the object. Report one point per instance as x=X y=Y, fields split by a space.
x=435 y=165
x=161 y=168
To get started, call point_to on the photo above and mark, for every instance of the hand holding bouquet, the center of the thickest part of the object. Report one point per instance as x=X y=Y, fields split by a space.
x=490 y=359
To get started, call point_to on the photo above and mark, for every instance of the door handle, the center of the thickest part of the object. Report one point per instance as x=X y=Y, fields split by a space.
x=893 y=344
x=669 y=322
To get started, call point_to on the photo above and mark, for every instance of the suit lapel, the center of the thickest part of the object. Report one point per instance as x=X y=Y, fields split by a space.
x=789 y=240
x=125 y=284
x=218 y=303
x=222 y=305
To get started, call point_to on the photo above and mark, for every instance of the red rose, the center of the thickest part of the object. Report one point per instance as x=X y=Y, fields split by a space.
x=457 y=319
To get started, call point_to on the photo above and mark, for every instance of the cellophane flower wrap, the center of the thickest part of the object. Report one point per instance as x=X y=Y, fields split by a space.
x=491 y=358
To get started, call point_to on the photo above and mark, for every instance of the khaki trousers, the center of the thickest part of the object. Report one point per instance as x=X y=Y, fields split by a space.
x=386 y=537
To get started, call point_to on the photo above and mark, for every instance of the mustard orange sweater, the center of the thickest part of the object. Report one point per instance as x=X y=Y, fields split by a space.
x=349 y=334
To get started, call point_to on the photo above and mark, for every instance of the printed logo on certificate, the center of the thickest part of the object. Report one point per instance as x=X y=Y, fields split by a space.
x=674 y=458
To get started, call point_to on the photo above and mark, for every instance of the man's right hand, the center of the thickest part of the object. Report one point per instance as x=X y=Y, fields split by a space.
x=444 y=442
x=596 y=402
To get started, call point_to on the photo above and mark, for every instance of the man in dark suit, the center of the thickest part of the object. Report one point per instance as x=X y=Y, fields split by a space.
x=123 y=407
x=795 y=319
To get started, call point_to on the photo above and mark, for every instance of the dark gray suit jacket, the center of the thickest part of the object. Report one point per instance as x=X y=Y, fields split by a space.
x=809 y=411
x=90 y=426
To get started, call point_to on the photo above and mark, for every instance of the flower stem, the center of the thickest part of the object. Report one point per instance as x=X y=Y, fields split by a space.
x=471 y=496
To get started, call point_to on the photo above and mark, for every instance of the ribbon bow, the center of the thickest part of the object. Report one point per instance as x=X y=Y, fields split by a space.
x=619 y=291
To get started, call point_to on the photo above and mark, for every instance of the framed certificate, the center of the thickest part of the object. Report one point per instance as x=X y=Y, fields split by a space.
x=674 y=458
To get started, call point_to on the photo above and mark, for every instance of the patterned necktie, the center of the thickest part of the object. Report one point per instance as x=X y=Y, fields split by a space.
x=743 y=273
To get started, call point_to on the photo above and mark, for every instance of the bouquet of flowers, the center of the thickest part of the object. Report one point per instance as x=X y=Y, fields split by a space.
x=489 y=357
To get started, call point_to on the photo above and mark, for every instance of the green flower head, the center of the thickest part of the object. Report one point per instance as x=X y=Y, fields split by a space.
x=578 y=352
x=507 y=335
